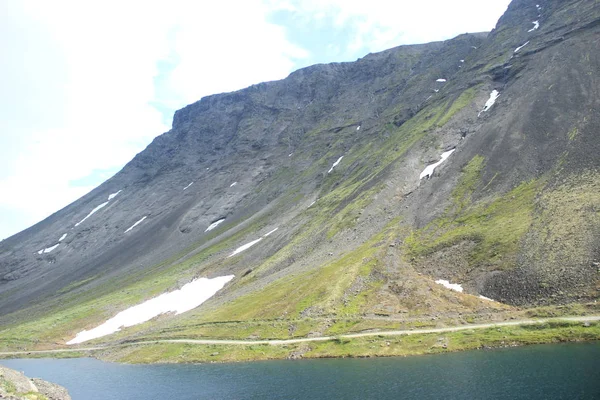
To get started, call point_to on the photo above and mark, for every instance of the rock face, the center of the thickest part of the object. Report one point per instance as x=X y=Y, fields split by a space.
x=15 y=385
x=511 y=214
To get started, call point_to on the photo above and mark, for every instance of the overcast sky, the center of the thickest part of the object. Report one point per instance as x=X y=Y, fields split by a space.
x=85 y=85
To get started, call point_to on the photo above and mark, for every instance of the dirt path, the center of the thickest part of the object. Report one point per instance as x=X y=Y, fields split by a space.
x=274 y=342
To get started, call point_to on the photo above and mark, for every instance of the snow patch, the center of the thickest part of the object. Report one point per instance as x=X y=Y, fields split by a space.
x=491 y=101
x=113 y=195
x=252 y=243
x=291 y=154
x=312 y=204
x=267 y=234
x=428 y=171
x=462 y=61
x=62 y=237
x=358 y=128
x=485 y=298
x=244 y=247
x=536 y=25
x=190 y=296
x=335 y=164
x=93 y=212
x=520 y=47
x=441 y=80
x=136 y=224
x=191 y=183
x=452 y=286
x=233 y=184
x=214 y=225
x=48 y=249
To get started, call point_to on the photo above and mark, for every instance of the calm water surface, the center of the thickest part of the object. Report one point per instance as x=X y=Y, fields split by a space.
x=569 y=371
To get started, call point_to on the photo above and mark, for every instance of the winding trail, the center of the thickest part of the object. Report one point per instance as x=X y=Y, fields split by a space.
x=276 y=342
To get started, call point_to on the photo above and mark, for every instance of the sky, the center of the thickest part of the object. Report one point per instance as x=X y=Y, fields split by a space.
x=87 y=85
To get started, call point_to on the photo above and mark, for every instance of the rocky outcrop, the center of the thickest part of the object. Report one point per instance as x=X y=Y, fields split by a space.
x=14 y=385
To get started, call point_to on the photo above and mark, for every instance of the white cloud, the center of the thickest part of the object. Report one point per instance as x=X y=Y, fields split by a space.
x=230 y=48
x=381 y=24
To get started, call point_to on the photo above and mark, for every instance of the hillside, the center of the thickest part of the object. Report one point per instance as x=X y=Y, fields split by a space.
x=321 y=204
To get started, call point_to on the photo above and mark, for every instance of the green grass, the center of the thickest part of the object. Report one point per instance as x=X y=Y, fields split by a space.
x=461 y=102
x=372 y=346
x=496 y=227
x=7 y=386
x=290 y=296
x=469 y=180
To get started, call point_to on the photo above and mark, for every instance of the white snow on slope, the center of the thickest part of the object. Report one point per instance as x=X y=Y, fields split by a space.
x=452 y=286
x=441 y=80
x=358 y=128
x=191 y=183
x=136 y=224
x=233 y=184
x=245 y=247
x=428 y=171
x=190 y=296
x=92 y=212
x=62 y=237
x=536 y=25
x=113 y=195
x=312 y=204
x=491 y=101
x=335 y=164
x=462 y=61
x=267 y=234
x=48 y=249
x=520 y=47
x=252 y=243
x=485 y=298
x=214 y=225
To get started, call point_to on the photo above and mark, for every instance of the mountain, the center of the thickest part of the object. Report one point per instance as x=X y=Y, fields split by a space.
x=326 y=198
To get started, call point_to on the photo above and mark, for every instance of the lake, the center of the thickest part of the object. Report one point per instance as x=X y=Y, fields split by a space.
x=558 y=371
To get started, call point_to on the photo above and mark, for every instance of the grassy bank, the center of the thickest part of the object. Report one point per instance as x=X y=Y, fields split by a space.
x=381 y=345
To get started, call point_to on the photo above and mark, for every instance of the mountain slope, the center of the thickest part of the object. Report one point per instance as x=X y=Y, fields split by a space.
x=331 y=158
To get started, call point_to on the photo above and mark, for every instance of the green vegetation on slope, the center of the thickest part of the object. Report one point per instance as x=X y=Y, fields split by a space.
x=320 y=288
x=496 y=227
x=372 y=346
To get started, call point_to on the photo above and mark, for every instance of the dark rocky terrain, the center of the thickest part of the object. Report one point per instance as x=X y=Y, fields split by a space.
x=513 y=214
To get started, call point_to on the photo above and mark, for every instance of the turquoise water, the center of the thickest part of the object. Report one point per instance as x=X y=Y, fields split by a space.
x=565 y=371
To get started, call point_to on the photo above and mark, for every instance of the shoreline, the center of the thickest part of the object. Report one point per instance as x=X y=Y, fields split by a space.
x=355 y=345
